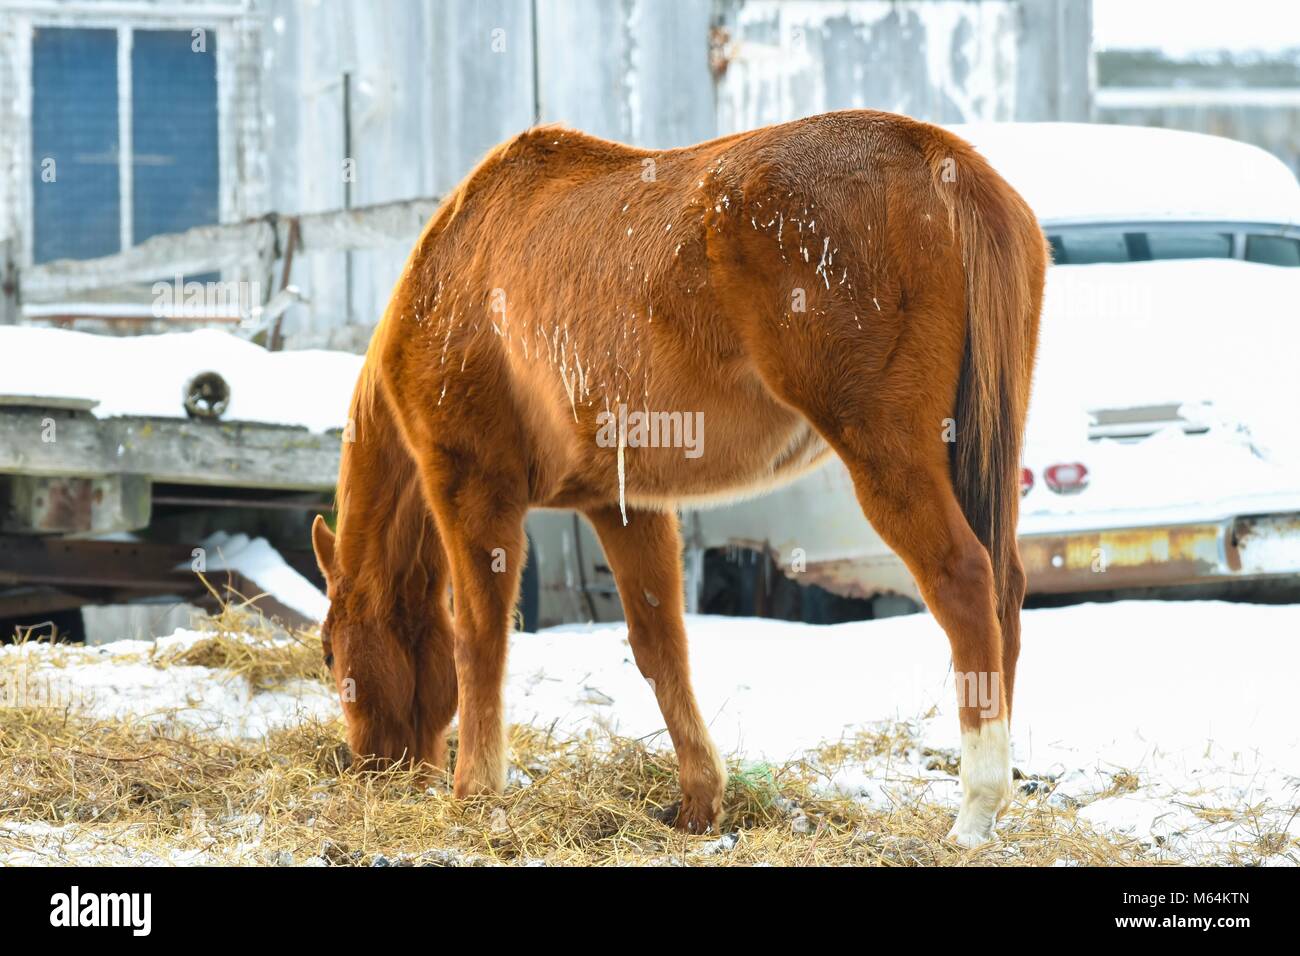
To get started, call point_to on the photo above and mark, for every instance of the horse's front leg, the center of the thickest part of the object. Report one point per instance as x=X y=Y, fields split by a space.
x=483 y=535
x=645 y=556
x=435 y=675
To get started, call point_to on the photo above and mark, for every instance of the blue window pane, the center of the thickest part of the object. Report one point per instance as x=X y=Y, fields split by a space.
x=74 y=123
x=1190 y=245
x=1085 y=246
x=1273 y=250
x=174 y=132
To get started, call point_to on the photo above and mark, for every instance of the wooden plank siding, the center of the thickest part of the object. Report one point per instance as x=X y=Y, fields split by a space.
x=432 y=86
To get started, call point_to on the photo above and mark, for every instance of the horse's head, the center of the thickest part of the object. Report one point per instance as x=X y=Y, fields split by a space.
x=371 y=660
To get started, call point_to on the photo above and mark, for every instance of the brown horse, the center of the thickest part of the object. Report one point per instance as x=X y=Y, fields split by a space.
x=858 y=283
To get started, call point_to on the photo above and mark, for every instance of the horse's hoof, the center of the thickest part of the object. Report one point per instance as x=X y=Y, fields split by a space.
x=466 y=785
x=697 y=816
x=971 y=838
x=985 y=783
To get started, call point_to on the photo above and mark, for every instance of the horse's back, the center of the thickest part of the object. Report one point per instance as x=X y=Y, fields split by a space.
x=572 y=277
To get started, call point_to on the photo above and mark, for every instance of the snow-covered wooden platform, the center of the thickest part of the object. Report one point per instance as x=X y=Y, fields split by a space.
x=96 y=440
x=89 y=423
x=172 y=450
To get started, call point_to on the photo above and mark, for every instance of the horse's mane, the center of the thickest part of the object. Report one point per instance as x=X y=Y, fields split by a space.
x=387 y=544
x=416 y=279
x=384 y=526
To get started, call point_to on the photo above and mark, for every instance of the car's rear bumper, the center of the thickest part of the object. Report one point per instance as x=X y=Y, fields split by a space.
x=1241 y=548
x=1157 y=557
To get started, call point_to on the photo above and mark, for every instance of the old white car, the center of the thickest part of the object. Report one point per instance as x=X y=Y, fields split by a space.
x=1162 y=453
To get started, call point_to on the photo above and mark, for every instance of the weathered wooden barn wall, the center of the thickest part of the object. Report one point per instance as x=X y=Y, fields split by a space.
x=946 y=61
x=631 y=70
x=430 y=87
x=1253 y=97
x=1269 y=118
x=433 y=85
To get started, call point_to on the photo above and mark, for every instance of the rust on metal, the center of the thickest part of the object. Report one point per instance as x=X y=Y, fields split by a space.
x=1247 y=547
x=71 y=572
x=1122 y=557
x=861 y=578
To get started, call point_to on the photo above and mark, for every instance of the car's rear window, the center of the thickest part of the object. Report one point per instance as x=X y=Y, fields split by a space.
x=1087 y=246
x=1187 y=245
x=1273 y=250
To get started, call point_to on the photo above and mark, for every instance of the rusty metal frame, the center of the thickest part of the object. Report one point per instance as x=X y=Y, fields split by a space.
x=70 y=573
x=1158 y=556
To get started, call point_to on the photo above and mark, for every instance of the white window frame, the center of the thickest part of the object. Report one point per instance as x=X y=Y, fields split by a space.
x=221 y=19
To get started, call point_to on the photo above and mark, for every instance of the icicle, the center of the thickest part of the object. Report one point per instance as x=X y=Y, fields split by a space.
x=821 y=266
x=445 y=342
x=622 y=477
x=569 y=382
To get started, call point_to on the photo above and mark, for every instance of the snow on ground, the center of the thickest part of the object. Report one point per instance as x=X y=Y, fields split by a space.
x=258 y=561
x=44 y=844
x=1195 y=699
x=145 y=375
x=134 y=679
x=1170 y=722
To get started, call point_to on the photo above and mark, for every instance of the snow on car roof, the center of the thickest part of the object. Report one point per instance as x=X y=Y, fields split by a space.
x=1098 y=173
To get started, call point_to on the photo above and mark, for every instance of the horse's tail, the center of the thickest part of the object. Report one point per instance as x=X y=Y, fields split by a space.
x=1004 y=257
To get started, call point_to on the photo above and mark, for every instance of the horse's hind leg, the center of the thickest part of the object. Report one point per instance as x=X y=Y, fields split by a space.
x=1009 y=616
x=911 y=503
x=898 y=460
x=645 y=556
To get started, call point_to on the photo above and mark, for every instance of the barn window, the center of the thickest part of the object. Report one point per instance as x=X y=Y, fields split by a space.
x=124 y=137
x=75 y=144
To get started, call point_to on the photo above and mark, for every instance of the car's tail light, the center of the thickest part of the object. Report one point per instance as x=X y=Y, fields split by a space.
x=1026 y=481
x=1066 y=478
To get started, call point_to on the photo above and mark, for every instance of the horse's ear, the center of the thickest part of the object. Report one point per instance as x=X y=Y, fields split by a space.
x=322 y=542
